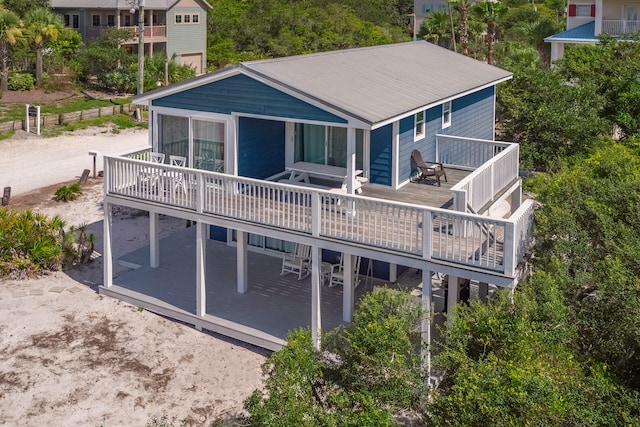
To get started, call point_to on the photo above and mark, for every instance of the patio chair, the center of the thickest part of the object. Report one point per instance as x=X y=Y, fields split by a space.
x=156 y=157
x=338 y=273
x=178 y=177
x=298 y=262
x=427 y=169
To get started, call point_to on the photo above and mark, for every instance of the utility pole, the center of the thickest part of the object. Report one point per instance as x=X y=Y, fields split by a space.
x=139 y=6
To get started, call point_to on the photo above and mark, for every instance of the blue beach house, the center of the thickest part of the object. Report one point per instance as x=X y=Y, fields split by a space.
x=315 y=156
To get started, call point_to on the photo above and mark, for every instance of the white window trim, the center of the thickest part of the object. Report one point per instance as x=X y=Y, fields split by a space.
x=417 y=136
x=446 y=112
x=583 y=6
x=190 y=15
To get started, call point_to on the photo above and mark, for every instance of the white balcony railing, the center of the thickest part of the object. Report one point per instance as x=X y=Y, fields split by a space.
x=430 y=233
x=618 y=27
x=495 y=167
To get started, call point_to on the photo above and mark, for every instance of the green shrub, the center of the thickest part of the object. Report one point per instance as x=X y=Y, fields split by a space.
x=67 y=193
x=21 y=81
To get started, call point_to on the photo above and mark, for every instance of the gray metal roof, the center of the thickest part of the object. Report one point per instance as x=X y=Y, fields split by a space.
x=116 y=4
x=380 y=82
x=371 y=84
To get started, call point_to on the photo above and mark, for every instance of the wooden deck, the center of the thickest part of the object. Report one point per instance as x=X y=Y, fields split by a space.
x=426 y=193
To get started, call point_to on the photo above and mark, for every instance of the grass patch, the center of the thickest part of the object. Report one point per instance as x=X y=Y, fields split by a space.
x=17 y=111
x=118 y=122
x=7 y=134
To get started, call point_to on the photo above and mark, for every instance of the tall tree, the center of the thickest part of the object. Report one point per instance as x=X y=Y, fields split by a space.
x=489 y=12
x=22 y=7
x=42 y=26
x=436 y=28
x=10 y=33
x=462 y=6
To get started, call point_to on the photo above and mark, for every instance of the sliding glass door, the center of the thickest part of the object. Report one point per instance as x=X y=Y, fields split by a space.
x=208 y=145
x=325 y=145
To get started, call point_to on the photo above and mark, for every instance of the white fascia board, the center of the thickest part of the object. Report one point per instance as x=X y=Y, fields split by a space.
x=293 y=120
x=145 y=98
x=351 y=120
x=568 y=40
x=439 y=102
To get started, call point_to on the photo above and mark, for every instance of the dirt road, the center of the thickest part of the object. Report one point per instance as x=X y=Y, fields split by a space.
x=28 y=162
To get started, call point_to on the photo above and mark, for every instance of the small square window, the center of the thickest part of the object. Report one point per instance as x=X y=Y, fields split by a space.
x=446 y=114
x=187 y=19
x=95 y=19
x=178 y=19
x=195 y=19
x=419 y=126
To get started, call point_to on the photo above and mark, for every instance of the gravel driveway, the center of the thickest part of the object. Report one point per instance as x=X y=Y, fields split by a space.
x=29 y=162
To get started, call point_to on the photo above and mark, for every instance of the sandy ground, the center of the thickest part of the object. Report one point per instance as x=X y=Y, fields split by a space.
x=71 y=357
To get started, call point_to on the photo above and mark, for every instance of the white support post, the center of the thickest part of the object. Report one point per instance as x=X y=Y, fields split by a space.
x=351 y=160
x=347 y=288
x=154 y=240
x=107 y=257
x=426 y=320
x=393 y=272
x=242 y=252
x=201 y=268
x=453 y=294
x=316 y=320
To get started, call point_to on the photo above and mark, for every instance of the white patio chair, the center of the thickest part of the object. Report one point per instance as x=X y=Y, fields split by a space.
x=178 y=178
x=156 y=157
x=338 y=273
x=298 y=262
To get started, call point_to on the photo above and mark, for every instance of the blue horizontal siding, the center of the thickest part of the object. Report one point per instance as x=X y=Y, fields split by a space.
x=472 y=117
x=261 y=147
x=242 y=94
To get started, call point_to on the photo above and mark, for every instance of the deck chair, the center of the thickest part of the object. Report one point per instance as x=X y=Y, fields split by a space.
x=298 y=262
x=178 y=178
x=427 y=169
x=156 y=157
x=338 y=273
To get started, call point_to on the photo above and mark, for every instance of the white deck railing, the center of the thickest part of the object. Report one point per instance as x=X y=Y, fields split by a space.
x=431 y=233
x=495 y=164
x=617 y=27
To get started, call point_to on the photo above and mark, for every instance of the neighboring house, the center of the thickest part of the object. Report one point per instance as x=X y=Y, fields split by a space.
x=422 y=9
x=177 y=28
x=588 y=19
x=317 y=150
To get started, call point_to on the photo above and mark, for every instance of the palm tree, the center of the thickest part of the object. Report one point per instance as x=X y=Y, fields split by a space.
x=489 y=12
x=436 y=28
x=42 y=26
x=10 y=33
x=462 y=6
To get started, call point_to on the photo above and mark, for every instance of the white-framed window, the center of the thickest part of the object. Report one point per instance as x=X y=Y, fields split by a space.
x=95 y=20
x=419 y=125
x=187 y=19
x=446 y=114
x=583 y=10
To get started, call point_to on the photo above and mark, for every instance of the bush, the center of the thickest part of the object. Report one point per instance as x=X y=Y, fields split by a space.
x=67 y=193
x=122 y=80
x=21 y=81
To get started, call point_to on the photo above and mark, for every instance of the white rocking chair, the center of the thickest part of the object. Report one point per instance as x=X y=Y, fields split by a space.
x=298 y=262
x=338 y=273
